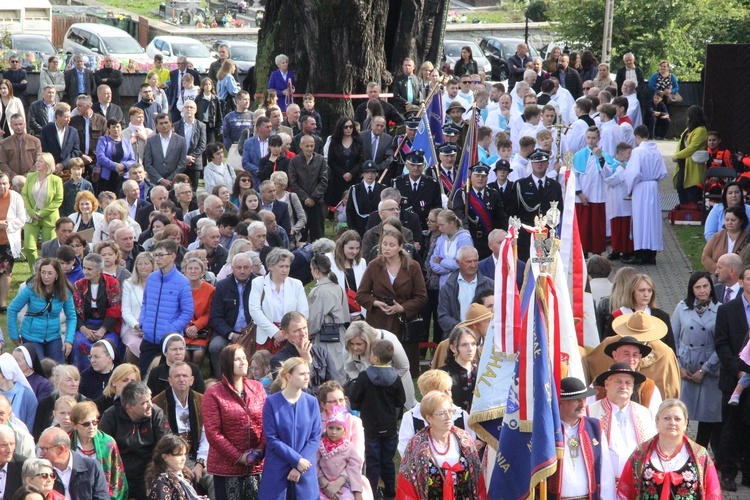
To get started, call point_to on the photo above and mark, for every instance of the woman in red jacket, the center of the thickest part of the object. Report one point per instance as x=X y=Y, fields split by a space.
x=232 y=418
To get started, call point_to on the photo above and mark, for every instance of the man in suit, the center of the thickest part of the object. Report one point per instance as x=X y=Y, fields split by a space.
x=377 y=145
x=90 y=128
x=42 y=112
x=309 y=128
x=256 y=148
x=487 y=266
x=216 y=255
x=629 y=72
x=407 y=87
x=19 y=151
x=462 y=286
x=363 y=198
x=60 y=139
x=164 y=156
x=110 y=77
x=308 y=179
x=485 y=211
x=728 y=284
x=280 y=209
x=517 y=64
x=63 y=230
x=158 y=195
x=105 y=106
x=418 y=192
x=194 y=132
x=534 y=194
x=131 y=192
x=175 y=84
x=78 y=80
x=230 y=312
x=11 y=480
x=373 y=92
x=568 y=77
x=731 y=332
x=78 y=477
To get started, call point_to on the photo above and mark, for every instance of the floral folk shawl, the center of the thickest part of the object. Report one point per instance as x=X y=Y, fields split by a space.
x=631 y=484
x=108 y=455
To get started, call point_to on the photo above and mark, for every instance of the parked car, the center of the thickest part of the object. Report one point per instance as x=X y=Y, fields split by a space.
x=498 y=50
x=91 y=39
x=172 y=47
x=242 y=53
x=38 y=44
x=452 y=53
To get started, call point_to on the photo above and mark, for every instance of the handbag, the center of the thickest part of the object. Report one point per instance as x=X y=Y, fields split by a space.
x=96 y=173
x=411 y=331
x=329 y=332
x=674 y=98
x=234 y=158
x=351 y=298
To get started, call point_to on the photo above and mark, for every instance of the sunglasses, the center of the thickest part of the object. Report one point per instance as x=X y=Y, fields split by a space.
x=47 y=475
x=466 y=82
x=94 y=422
x=348 y=127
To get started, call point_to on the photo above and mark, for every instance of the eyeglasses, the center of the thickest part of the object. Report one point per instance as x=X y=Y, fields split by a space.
x=466 y=82
x=476 y=81
x=160 y=255
x=46 y=475
x=94 y=422
x=245 y=179
x=443 y=414
x=44 y=449
x=15 y=62
x=348 y=127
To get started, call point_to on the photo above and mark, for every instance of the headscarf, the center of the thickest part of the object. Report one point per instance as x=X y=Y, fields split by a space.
x=11 y=371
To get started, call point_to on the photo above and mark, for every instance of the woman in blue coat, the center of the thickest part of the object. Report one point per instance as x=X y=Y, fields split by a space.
x=291 y=426
x=46 y=296
x=279 y=81
x=114 y=156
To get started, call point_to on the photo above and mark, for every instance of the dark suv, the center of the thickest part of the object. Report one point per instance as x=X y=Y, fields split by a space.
x=498 y=50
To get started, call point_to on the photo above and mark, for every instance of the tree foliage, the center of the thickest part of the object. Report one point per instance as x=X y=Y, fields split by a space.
x=675 y=30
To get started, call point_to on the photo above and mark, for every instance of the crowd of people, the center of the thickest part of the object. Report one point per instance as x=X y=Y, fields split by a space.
x=176 y=342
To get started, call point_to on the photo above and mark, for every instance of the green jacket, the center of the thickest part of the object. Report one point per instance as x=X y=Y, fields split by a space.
x=50 y=213
x=694 y=141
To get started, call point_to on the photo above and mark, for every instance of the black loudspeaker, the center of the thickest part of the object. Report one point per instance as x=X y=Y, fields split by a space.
x=726 y=94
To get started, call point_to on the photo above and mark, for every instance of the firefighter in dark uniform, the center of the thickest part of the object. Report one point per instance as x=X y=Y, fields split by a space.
x=363 y=198
x=505 y=187
x=485 y=211
x=411 y=125
x=534 y=195
x=447 y=166
x=418 y=192
x=451 y=135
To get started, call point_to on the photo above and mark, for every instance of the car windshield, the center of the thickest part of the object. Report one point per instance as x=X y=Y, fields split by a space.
x=121 y=45
x=453 y=49
x=34 y=45
x=190 y=50
x=512 y=47
x=244 y=53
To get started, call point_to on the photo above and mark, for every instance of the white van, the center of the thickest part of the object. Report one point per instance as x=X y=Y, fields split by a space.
x=92 y=39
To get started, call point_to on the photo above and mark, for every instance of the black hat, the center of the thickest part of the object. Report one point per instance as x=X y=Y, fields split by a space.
x=450 y=131
x=480 y=168
x=412 y=123
x=538 y=156
x=620 y=368
x=369 y=166
x=502 y=165
x=416 y=157
x=628 y=340
x=448 y=149
x=573 y=388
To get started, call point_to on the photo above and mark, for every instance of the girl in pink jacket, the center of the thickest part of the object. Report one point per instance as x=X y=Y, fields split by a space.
x=339 y=466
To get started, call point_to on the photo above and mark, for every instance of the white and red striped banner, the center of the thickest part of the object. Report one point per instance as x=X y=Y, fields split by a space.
x=507 y=298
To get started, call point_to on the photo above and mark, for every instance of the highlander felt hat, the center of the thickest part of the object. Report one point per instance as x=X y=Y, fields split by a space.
x=618 y=368
x=640 y=325
x=573 y=388
x=475 y=314
x=627 y=340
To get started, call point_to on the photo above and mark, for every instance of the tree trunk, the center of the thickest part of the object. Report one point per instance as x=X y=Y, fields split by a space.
x=338 y=46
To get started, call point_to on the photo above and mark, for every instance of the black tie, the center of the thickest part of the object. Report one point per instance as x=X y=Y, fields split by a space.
x=414 y=187
x=449 y=175
x=369 y=190
x=541 y=184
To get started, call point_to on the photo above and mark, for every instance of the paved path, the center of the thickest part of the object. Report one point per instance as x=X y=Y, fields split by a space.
x=672 y=272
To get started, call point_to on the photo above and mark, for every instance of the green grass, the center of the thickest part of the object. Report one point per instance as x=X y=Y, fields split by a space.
x=692 y=242
x=141 y=7
x=508 y=15
x=20 y=274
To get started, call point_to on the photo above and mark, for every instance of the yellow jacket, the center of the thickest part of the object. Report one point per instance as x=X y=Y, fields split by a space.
x=50 y=213
x=695 y=141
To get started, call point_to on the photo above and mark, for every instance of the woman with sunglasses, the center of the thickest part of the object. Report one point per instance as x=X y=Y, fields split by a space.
x=345 y=156
x=38 y=473
x=243 y=181
x=88 y=441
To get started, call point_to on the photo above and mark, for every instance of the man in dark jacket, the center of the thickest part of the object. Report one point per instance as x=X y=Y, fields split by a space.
x=322 y=367
x=111 y=77
x=308 y=179
x=568 y=77
x=136 y=425
x=86 y=480
x=462 y=286
x=517 y=65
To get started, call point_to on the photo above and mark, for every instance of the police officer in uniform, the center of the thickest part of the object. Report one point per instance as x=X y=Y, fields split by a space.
x=411 y=125
x=418 y=192
x=534 y=195
x=363 y=198
x=485 y=211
